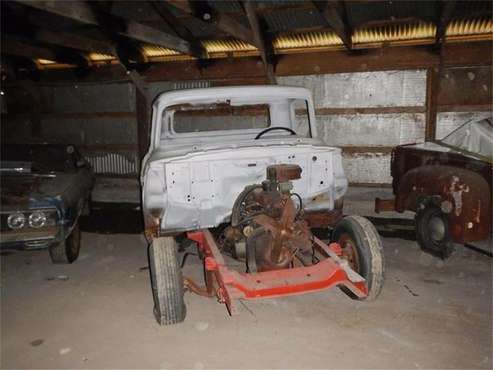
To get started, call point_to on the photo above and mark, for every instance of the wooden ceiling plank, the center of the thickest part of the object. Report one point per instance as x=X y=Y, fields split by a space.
x=82 y=12
x=176 y=24
x=18 y=47
x=73 y=41
x=330 y=10
x=265 y=48
x=447 y=10
x=202 y=11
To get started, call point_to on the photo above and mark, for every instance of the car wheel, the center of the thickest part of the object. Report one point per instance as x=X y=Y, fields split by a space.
x=166 y=281
x=362 y=248
x=86 y=210
x=432 y=232
x=68 y=250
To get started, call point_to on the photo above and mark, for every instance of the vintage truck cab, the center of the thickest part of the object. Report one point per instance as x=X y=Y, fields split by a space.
x=241 y=171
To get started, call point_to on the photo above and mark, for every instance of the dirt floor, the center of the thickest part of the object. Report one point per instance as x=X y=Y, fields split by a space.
x=97 y=313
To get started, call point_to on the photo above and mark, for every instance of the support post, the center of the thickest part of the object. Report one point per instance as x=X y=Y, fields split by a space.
x=142 y=114
x=432 y=90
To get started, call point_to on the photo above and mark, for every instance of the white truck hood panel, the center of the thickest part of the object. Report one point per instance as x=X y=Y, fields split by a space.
x=198 y=190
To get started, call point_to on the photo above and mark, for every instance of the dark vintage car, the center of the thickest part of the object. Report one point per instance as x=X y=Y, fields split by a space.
x=44 y=189
x=448 y=183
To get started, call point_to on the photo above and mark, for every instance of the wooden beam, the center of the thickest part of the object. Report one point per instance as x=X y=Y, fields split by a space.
x=73 y=41
x=332 y=11
x=432 y=86
x=183 y=5
x=82 y=12
x=370 y=110
x=447 y=10
x=466 y=108
x=22 y=48
x=143 y=121
x=249 y=68
x=205 y=13
x=176 y=25
x=265 y=48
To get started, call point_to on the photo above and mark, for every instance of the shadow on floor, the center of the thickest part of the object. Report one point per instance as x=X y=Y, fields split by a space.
x=113 y=218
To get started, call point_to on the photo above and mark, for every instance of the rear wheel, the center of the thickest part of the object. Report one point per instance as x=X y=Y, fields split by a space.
x=166 y=281
x=68 y=250
x=432 y=232
x=362 y=248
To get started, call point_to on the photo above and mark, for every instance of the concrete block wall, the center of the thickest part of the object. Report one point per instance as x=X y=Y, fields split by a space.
x=368 y=113
x=99 y=118
x=365 y=113
x=367 y=138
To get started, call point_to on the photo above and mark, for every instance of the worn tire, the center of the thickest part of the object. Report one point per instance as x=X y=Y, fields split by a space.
x=86 y=209
x=432 y=232
x=166 y=281
x=369 y=252
x=68 y=250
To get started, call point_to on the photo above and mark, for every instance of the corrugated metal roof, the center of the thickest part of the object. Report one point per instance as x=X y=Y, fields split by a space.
x=417 y=33
x=291 y=19
x=307 y=40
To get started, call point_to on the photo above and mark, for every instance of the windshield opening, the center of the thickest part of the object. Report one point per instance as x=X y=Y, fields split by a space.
x=38 y=158
x=474 y=137
x=230 y=117
x=216 y=117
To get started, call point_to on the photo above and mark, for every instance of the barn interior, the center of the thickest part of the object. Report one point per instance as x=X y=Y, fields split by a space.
x=382 y=74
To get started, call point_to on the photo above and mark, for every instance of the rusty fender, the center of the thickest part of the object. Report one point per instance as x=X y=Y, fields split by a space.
x=463 y=195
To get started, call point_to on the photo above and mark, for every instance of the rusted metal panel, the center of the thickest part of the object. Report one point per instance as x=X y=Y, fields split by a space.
x=283 y=172
x=464 y=195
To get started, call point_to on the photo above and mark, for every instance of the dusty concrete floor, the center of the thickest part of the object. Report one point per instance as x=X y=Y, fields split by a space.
x=96 y=313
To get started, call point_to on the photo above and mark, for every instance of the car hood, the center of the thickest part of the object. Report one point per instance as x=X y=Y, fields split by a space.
x=23 y=189
x=438 y=146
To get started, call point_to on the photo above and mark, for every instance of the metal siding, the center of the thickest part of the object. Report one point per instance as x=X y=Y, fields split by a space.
x=449 y=121
x=364 y=89
x=367 y=168
x=371 y=129
x=114 y=163
x=116 y=97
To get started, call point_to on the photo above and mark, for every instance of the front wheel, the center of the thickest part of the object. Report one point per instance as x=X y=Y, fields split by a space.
x=432 y=232
x=68 y=250
x=362 y=248
x=166 y=281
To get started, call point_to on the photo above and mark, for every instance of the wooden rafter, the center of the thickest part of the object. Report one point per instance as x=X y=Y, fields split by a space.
x=82 y=12
x=332 y=11
x=202 y=11
x=74 y=41
x=22 y=48
x=265 y=48
x=176 y=24
x=27 y=48
x=447 y=10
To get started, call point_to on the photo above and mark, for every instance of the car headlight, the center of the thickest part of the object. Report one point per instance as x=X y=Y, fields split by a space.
x=37 y=219
x=16 y=221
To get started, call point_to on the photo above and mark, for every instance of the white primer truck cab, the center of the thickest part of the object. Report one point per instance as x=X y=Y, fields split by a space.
x=208 y=144
x=241 y=171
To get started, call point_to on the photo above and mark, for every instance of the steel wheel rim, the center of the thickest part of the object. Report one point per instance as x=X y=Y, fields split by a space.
x=436 y=229
x=349 y=251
